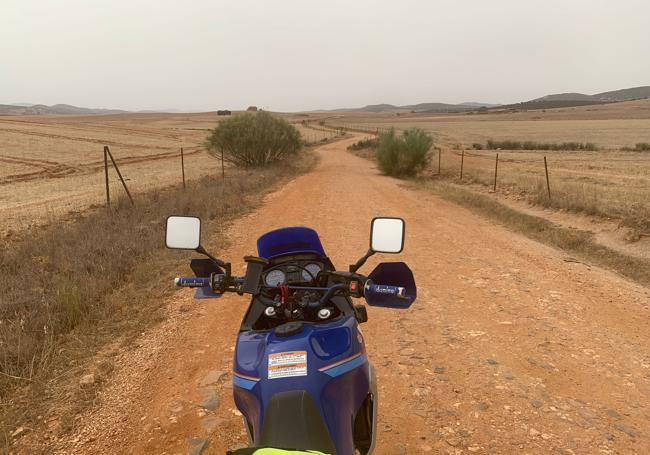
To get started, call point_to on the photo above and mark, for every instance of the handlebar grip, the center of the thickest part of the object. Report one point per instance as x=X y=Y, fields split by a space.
x=397 y=291
x=193 y=282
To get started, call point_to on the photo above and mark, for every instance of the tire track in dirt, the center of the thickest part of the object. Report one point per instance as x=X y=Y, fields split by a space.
x=83 y=139
x=53 y=169
x=508 y=348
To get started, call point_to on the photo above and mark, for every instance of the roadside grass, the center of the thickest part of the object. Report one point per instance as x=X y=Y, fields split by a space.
x=533 y=145
x=638 y=147
x=370 y=143
x=70 y=288
x=571 y=190
x=576 y=241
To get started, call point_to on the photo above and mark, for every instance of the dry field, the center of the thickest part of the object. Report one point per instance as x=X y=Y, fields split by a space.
x=609 y=126
x=53 y=165
x=608 y=182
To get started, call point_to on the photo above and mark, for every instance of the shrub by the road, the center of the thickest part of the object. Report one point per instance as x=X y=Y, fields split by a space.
x=254 y=140
x=403 y=155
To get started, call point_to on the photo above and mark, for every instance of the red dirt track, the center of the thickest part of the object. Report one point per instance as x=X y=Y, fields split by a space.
x=508 y=349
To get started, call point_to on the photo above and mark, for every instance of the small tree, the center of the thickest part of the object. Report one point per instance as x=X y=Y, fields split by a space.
x=405 y=155
x=254 y=140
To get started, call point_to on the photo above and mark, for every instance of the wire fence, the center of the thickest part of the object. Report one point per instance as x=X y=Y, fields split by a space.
x=36 y=190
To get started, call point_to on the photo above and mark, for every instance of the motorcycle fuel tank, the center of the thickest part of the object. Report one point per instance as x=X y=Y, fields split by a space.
x=311 y=382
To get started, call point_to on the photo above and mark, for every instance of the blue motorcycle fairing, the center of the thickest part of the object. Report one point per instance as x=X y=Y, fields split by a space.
x=338 y=376
x=289 y=240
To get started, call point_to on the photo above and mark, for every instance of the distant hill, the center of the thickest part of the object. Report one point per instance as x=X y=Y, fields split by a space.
x=473 y=104
x=626 y=94
x=420 y=108
x=555 y=100
x=564 y=97
x=57 y=109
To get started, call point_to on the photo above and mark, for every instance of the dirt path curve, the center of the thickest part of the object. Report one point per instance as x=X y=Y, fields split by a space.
x=508 y=349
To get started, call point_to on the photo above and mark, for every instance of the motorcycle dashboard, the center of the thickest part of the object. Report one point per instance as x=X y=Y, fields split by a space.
x=293 y=272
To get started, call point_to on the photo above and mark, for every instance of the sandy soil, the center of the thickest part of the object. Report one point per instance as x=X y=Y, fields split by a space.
x=508 y=349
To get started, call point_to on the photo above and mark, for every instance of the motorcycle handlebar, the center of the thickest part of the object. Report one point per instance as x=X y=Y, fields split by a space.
x=193 y=282
x=397 y=291
x=370 y=288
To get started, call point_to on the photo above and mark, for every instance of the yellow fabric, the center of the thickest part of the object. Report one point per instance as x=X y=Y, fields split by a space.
x=286 y=452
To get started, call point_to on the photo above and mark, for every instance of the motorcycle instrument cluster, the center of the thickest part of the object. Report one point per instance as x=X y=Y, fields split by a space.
x=284 y=274
x=275 y=278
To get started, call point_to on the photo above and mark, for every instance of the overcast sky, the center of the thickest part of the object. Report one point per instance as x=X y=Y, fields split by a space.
x=290 y=55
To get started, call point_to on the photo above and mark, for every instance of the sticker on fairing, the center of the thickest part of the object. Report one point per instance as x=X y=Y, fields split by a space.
x=287 y=364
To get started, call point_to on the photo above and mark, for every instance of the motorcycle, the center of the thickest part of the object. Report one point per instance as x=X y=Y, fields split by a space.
x=301 y=375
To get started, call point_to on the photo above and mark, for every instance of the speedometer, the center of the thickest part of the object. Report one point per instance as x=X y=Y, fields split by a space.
x=275 y=278
x=310 y=268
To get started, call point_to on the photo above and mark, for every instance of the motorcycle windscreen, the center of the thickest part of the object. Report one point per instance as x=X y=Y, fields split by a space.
x=289 y=240
x=393 y=274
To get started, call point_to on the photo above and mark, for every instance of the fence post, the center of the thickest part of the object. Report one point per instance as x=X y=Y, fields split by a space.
x=183 y=167
x=119 y=174
x=223 y=169
x=108 y=190
x=548 y=185
x=462 y=161
x=496 y=170
x=439 y=159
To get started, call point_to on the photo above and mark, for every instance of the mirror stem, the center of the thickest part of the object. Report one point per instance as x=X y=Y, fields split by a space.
x=219 y=262
x=361 y=261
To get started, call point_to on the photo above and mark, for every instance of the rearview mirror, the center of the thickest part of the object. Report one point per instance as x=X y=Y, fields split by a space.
x=387 y=235
x=183 y=232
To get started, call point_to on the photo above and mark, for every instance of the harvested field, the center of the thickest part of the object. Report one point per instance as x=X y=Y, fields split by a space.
x=610 y=126
x=52 y=166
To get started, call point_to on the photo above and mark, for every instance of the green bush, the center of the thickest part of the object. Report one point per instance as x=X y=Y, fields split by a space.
x=405 y=155
x=254 y=140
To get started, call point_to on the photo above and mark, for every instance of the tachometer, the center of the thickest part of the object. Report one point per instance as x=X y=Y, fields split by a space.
x=275 y=278
x=313 y=269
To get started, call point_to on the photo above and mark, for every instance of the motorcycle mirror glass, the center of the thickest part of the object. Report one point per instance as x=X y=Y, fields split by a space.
x=183 y=232
x=387 y=235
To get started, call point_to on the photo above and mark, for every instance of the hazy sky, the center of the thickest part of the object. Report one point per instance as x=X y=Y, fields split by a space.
x=304 y=54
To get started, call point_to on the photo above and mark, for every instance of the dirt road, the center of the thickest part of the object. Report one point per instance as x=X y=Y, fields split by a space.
x=508 y=349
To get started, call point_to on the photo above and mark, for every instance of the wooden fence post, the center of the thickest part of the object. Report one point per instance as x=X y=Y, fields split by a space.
x=462 y=161
x=119 y=174
x=496 y=170
x=439 y=159
x=108 y=190
x=548 y=185
x=183 y=167
x=223 y=169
